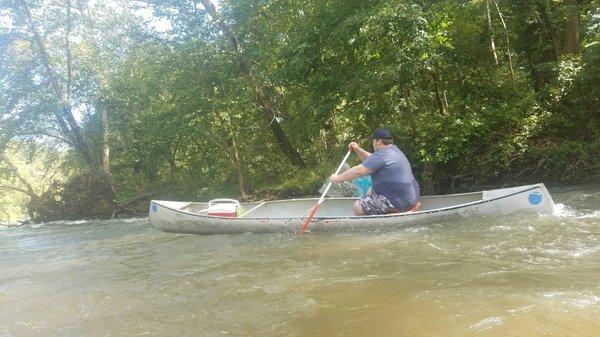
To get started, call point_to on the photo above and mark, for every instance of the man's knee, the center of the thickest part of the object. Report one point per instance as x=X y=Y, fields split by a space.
x=357 y=208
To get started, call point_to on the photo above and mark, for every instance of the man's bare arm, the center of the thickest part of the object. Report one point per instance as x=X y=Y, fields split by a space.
x=351 y=173
x=362 y=153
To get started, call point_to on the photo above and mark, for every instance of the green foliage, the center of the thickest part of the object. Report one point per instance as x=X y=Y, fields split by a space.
x=84 y=196
x=87 y=195
x=185 y=122
x=302 y=183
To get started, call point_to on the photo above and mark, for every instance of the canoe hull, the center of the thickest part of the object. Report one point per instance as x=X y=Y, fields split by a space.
x=173 y=217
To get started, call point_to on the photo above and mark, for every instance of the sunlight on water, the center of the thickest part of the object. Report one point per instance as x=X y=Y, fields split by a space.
x=506 y=276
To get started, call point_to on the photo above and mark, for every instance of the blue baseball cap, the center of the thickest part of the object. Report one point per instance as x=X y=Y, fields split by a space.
x=381 y=134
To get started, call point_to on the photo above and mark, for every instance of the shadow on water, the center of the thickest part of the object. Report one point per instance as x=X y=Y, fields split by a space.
x=514 y=275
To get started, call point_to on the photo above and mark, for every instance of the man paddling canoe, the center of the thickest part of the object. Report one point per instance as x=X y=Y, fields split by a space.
x=395 y=188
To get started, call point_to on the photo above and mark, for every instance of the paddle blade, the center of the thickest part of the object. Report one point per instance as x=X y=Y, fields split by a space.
x=309 y=219
x=307 y=222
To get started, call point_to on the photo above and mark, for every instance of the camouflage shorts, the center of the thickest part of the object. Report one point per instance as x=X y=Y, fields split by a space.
x=376 y=204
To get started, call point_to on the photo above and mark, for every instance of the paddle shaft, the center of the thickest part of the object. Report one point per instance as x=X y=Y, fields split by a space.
x=322 y=198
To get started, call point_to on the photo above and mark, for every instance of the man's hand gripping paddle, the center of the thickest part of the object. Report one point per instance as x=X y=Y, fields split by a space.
x=314 y=210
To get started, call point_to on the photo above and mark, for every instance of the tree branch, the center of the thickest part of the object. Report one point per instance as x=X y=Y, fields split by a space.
x=15 y=170
x=269 y=110
x=41 y=133
x=64 y=117
x=43 y=53
x=488 y=18
x=14 y=188
x=68 y=49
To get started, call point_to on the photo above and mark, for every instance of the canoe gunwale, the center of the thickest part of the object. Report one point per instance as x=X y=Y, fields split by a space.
x=377 y=216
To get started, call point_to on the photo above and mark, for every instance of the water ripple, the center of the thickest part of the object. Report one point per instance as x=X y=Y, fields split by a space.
x=491 y=276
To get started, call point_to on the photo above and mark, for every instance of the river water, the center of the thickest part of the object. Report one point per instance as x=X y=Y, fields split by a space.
x=504 y=276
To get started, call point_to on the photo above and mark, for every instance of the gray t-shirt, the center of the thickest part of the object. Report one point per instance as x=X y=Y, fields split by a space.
x=392 y=177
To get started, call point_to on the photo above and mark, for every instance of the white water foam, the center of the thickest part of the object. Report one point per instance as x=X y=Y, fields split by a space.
x=517 y=311
x=487 y=323
x=593 y=215
x=581 y=300
x=563 y=211
x=585 y=251
x=83 y=222
x=59 y=223
x=560 y=210
x=590 y=301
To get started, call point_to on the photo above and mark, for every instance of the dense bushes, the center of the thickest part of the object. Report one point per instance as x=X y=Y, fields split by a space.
x=85 y=195
x=190 y=117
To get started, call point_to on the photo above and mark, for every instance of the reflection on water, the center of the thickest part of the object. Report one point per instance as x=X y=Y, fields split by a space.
x=507 y=276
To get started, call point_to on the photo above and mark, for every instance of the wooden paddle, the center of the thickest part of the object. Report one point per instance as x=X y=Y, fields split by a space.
x=322 y=198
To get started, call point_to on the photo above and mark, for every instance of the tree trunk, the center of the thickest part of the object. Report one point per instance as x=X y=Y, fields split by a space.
x=540 y=41
x=105 y=130
x=269 y=112
x=572 y=38
x=68 y=52
x=64 y=118
x=550 y=31
x=488 y=18
x=536 y=78
x=439 y=93
x=233 y=153
x=235 y=159
x=87 y=16
x=105 y=144
x=445 y=99
x=410 y=115
x=407 y=100
x=328 y=127
x=77 y=136
x=508 y=52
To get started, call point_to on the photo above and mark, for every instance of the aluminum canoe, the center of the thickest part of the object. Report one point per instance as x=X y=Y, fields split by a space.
x=335 y=214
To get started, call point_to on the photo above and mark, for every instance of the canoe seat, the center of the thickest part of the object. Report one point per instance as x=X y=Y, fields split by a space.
x=416 y=208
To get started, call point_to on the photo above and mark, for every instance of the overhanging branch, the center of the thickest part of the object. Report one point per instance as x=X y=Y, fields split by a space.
x=46 y=134
x=18 y=189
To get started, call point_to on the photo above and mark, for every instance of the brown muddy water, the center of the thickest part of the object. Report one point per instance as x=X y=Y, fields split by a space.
x=504 y=276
